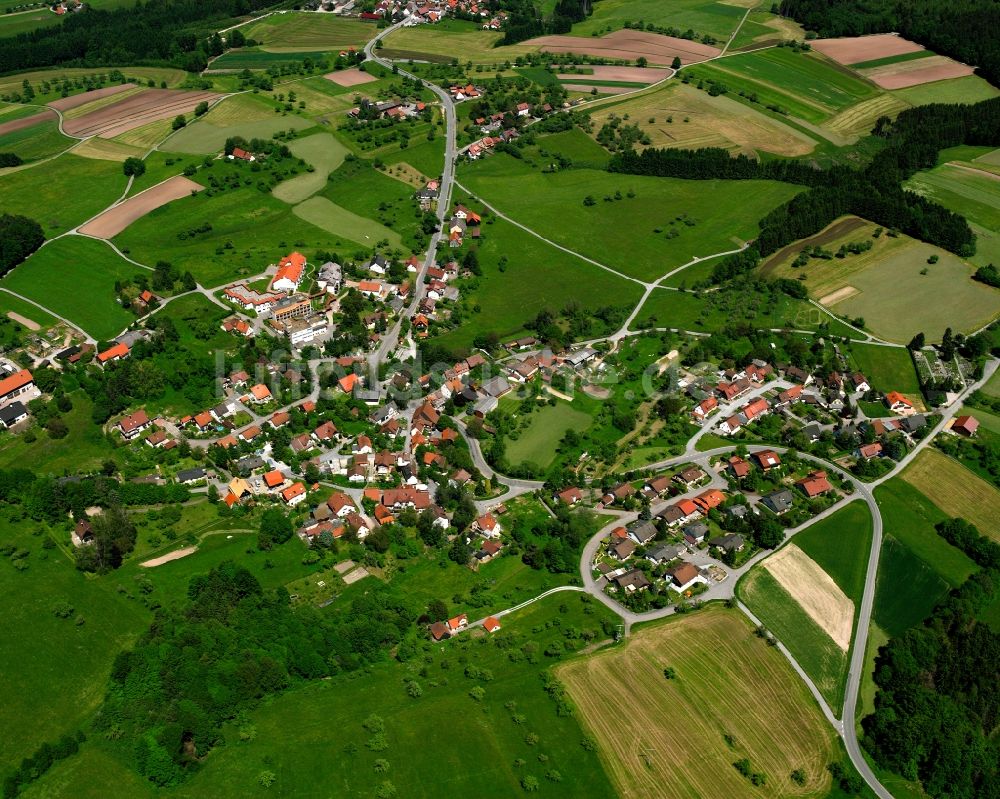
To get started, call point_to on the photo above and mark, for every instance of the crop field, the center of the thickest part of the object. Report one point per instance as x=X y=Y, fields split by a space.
x=250 y=58
x=628 y=45
x=906 y=589
x=665 y=223
x=8 y=83
x=669 y=738
x=304 y=31
x=239 y=108
x=115 y=220
x=344 y=225
x=678 y=115
x=134 y=111
x=702 y=16
x=858 y=120
x=856 y=50
x=15 y=119
x=106 y=150
x=537 y=444
x=903 y=74
x=861 y=285
x=203 y=138
x=454 y=39
x=322 y=151
x=909 y=517
x=840 y=545
x=887 y=368
x=956 y=490
x=35 y=143
x=79 y=105
x=821 y=657
x=41 y=192
x=970 y=89
x=146 y=136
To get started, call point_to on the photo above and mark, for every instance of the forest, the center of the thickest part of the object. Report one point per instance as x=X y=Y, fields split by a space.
x=19 y=237
x=937 y=707
x=966 y=30
x=158 y=31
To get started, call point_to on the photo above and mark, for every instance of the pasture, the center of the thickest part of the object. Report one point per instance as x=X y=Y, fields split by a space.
x=716 y=19
x=9 y=304
x=75 y=277
x=970 y=89
x=301 y=31
x=63 y=192
x=887 y=368
x=677 y=115
x=35 y=143
x=341 y=223
x=539 y=441
x=762 y=28
x=203 y=138
x=906 y=589
x=955 y=490
x=641 y=226
x=840 y=545
x=909 y=517
x=321 y=151
x=818 y=654
x=733 y=697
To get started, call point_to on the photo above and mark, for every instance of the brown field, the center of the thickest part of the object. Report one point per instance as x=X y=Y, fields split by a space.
x=855 y=49
x=136 y=111
x=712 y=122
x=956 y=490
x=627 y=44
x=106 y=150
x=815 y=591
x=350 y=77
x=626 y=74
x=587 y=88
x=26 y=122
x=116 y=219
x=66 y=103
x=23 y=320
x=914 y=73
x=666 y=738
x=836 y=296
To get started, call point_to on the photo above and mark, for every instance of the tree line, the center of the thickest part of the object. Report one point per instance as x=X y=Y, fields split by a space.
x=963 y=29
x=19 y=238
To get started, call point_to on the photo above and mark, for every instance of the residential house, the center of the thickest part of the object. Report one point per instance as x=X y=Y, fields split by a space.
x=868 y=451
x=114 y=353
x=729 y=543
x=694 y=533
x=570 y=496
x=488 y=526
x=294 y=494
x=458 y=624
x=690 y=477
x=859 y=383
x=738 y=467
x=664 y=553
x=898 y=403
x=965 y=426
x=259 y=394
x=131 y=426
x=632 y=581
x=815 y=484
x=709 y=499
x=642 y=531
x=188 y=476
x=767 y=460
x=491 y=625
x=779 y=502
x=685 y=576
x=82 y=534
x=622 y=550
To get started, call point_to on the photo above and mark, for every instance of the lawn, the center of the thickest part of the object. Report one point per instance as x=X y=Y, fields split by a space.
x=55 y=668
x=664 y=223
x=733 y=697
x=956 y=490
x=75 y=277
x=909 y=517
x=538 y=443
x=702 y=16
x=676 y=115
x=887 y=368
x=11 y=304
x=303 y=31
x=323 y=753
x=840 y=544
x=63 y=192
x=321 y=151
x=810 y=645
x=343 y=224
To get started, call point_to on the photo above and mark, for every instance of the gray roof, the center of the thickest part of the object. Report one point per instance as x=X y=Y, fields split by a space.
x=728 y=542
x=11 y=413
x=188 y=475
x=779 y=501
x=642 y=531
x=496 y=386
x=665 y=552
x=695 y=529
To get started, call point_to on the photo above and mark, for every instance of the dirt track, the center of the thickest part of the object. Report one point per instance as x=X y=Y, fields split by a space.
x=134 y=111
x=350 y=77
x=177 y=554
x=115 y=220
x=855 y=49
x=628 y=45
x=23 y=320
x=815 y=591
x=66 y=103
x=26 y=122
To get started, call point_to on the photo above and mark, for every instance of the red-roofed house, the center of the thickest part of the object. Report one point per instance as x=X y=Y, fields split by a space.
x=274 y=479
x=965 y=425
x=707 y=500
x=294 y=494
x=289 y=273
x=491 y=625
x=260 y=393
x=488 y=525
x=815 y=484
x=897 y=402
x=131 y=426
x=570 y=496
x=458 y=623
x=17 y=385
x=112 y=354
x=767 y=460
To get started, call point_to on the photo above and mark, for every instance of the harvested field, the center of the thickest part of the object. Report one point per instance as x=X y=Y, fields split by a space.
x=624 y=74
x=350 y=77
x=712 y=122
x=856 y=49
x=23 y=320
x=672 y=741
x=956 y=490
x=628 y=44
x=914 y=73
x=106 y=150
x=815 y=591
x=146 y=136
x=858 y=120
x=66 y=103
x=26 y=122
x=581 y=87
x=836 y=296
x=135 y=111
x=115 y=220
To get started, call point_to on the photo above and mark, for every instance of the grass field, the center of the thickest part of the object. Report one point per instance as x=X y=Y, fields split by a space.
x=427 y=157
x=313 y=756
x=862 y=285
x=537 y=444
x=970 y=89
x=324 y=153
x=74 y=277
x=840 y=544
x=887 y=368
x=341 y=223
x=906 y=590
x=631 y=234
x=763 y=27
x=955 y=490
x=106 y=150
x=699 y=120
x=452 y=38
x=669 y=738
x=35 y=143
x=816 y=652
x=702 y=16
x=910 y=517
x=575 y=145
x=63 y=192
x=205 y=138
x=9 y=303
x=54 y=668
x=303 y=31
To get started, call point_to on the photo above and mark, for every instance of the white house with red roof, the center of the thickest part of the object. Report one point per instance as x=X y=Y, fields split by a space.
x=290 y=272
x=20 y=386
